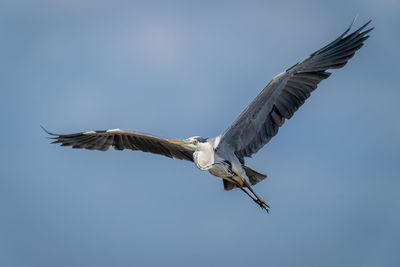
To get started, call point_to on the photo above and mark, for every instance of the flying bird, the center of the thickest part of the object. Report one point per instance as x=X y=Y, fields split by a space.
x=224 y=155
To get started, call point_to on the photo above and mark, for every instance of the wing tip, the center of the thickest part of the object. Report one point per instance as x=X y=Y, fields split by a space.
x=362 y=27
x=48 y=132
x=345 y=35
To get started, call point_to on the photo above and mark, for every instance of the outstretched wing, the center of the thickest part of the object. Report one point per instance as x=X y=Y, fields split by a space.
x=120 y=140
x=261 y=120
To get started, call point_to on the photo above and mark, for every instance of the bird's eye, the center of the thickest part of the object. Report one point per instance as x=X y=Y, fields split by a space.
x=195 y=141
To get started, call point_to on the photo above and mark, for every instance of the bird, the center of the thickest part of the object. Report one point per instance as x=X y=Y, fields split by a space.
x=224 y=155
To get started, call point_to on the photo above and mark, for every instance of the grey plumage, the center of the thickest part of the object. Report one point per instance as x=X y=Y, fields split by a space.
x=254 y=177
x=120 y=140
x=224 y=155
x=280 y=99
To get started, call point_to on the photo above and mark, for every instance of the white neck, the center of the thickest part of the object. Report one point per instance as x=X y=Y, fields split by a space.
x=204 y=156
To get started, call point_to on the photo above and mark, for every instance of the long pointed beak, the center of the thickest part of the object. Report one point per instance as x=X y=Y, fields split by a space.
x=177 y=142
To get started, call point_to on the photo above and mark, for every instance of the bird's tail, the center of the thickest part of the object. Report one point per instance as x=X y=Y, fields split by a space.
x=254 y=178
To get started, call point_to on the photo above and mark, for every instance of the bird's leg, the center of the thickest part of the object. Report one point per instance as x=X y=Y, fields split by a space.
x=256 y=198
x=259 y=201
x=247 y=193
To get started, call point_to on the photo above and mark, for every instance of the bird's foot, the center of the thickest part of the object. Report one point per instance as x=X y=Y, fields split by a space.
x=256 y=198
x=262 y=204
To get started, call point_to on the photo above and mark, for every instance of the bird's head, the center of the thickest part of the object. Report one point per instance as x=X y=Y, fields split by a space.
x=195 y=140
x=191 y=141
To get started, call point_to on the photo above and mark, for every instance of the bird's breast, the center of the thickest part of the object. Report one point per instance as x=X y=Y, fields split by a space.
x=203 y=160
x=222 y=169
x=204 y=157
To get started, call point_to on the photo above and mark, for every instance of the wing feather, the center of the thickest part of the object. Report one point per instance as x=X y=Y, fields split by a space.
x=280 y=99
x=120 y=140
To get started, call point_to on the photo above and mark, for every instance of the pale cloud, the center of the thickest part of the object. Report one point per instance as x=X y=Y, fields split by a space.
x=72 y=4
x=157 y=44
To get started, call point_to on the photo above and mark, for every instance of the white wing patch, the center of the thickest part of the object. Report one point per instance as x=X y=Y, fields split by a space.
x=216 y=142
x=114 y=131
x=108 y=131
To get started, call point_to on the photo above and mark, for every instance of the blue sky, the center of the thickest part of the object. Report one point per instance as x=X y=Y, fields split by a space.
x=186 y=68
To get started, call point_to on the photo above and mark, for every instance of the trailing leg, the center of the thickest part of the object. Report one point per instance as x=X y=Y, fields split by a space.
x=252 y=195
x=256 y=198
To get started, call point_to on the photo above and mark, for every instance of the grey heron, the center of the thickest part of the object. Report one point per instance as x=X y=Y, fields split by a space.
x=224 y=155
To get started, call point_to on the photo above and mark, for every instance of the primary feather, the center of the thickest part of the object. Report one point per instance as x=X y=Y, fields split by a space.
x=121 y=139
x=280 y=99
